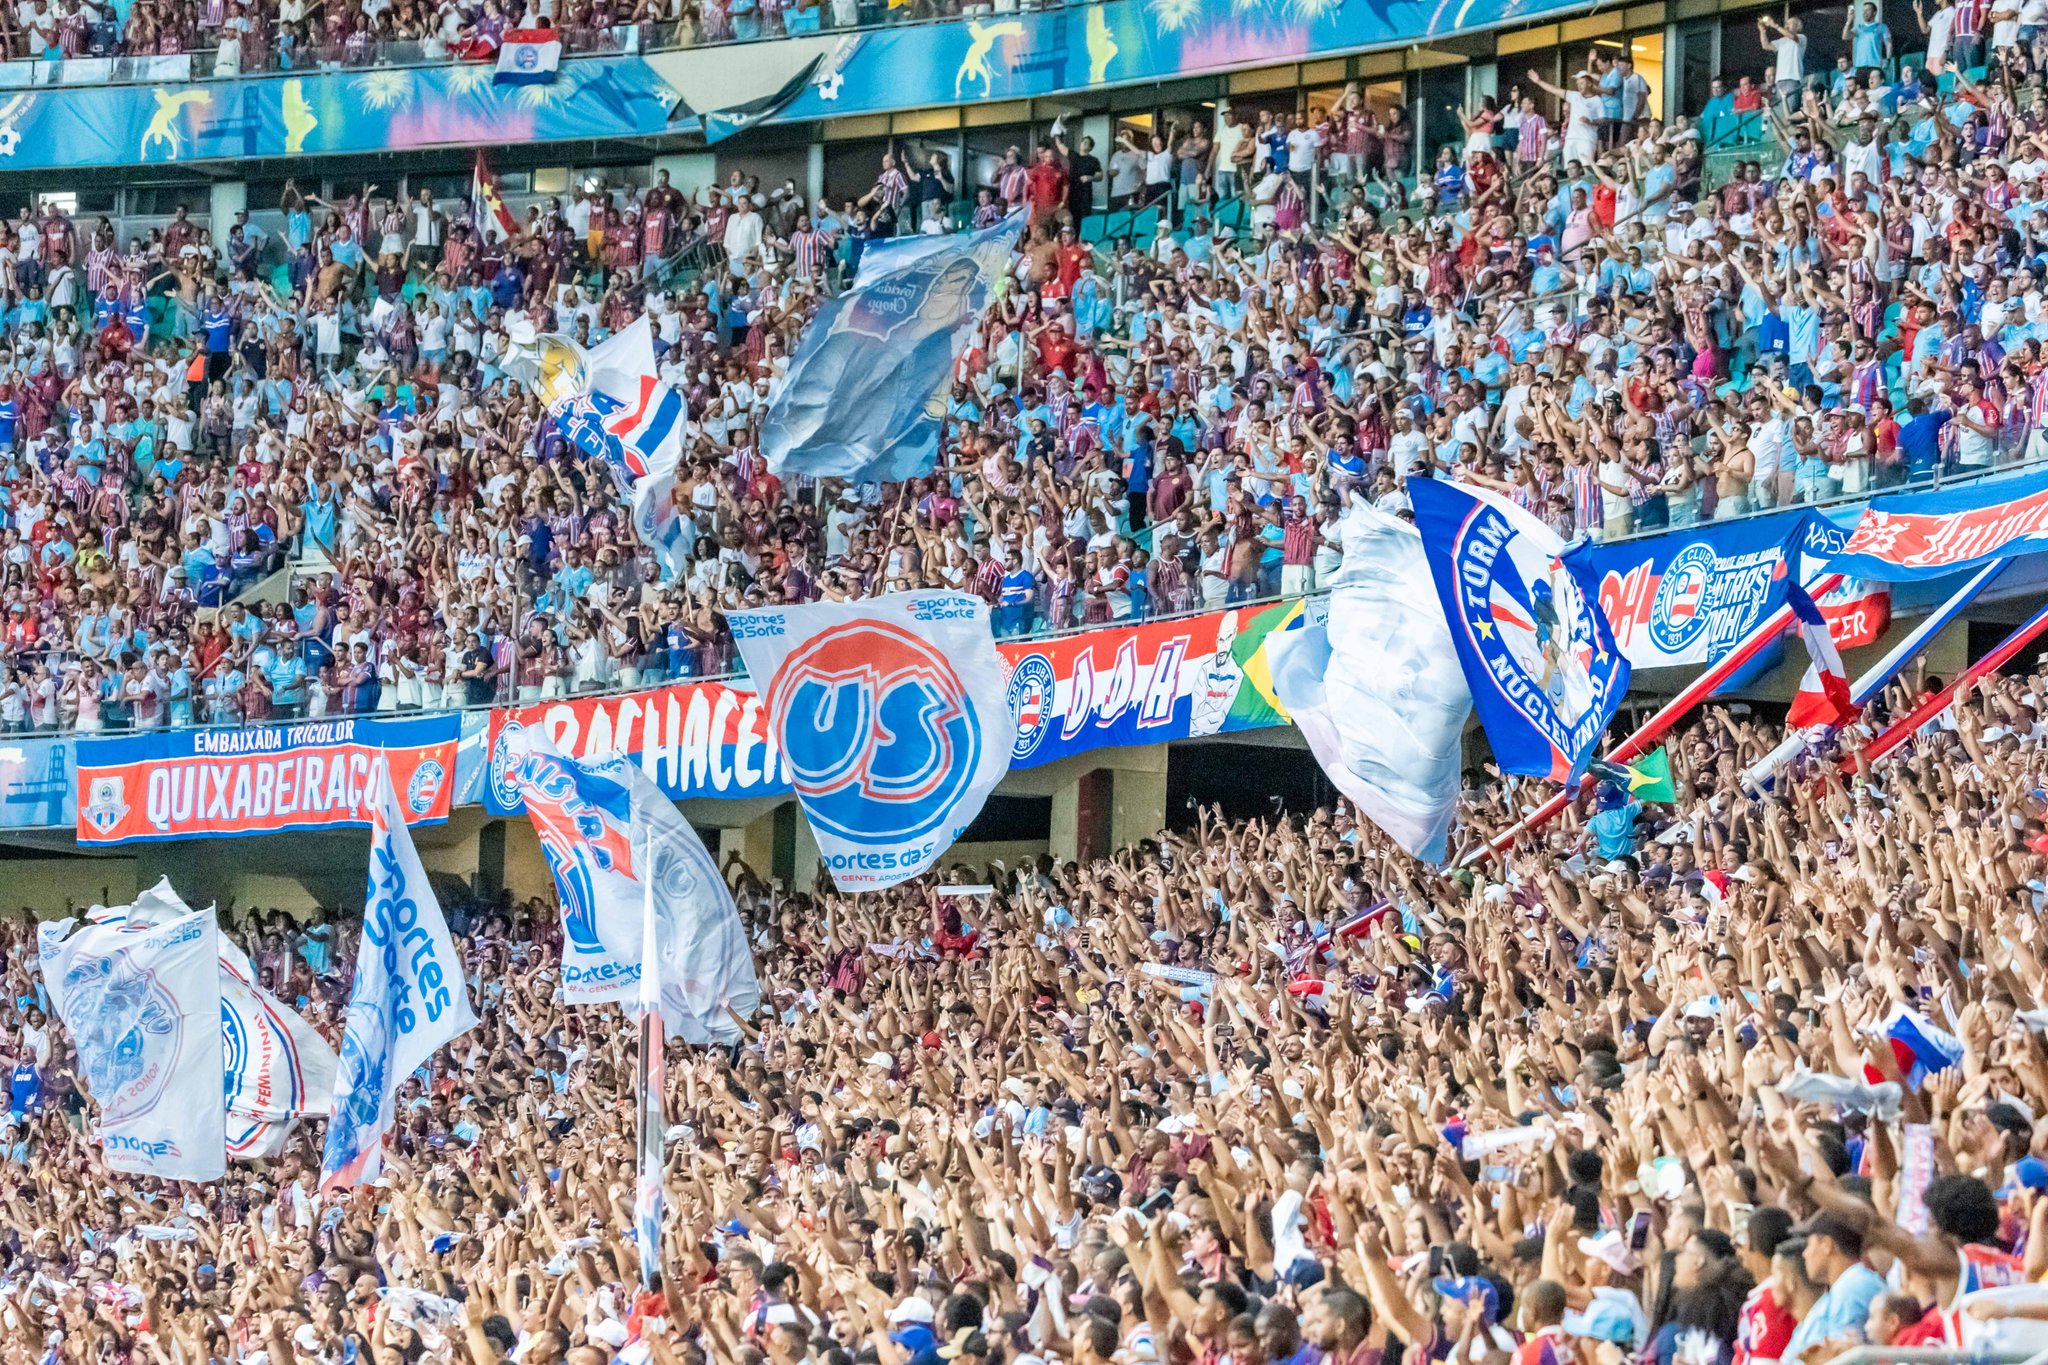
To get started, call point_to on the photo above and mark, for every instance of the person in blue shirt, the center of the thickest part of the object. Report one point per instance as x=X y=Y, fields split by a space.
x=1920 y=438
x=285 y=680
x=1613 y=824
x=24 y=1090
x=1017 y=599
x=217 y=322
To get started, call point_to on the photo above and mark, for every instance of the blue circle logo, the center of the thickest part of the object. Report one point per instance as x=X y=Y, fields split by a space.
x=1031 y=694
x=425 y=786
x=880 y=734
x=1679 y=613
x=506 y=754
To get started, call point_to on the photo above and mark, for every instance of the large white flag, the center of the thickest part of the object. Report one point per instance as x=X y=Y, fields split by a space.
x=276 y=1066
x=893 y=715
x=143 y=1008
x=1378 y=693
x=409 y=997
x=613 y=840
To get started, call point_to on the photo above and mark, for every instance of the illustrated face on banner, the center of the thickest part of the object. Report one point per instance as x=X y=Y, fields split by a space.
x=122 y=1010
x=879 y=731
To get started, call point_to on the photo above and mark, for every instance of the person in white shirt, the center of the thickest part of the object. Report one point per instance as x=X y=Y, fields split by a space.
x=1789 y=48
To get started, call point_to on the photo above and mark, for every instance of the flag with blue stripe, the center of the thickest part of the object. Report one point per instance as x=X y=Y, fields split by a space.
x=409 y=997
x=1538 y=653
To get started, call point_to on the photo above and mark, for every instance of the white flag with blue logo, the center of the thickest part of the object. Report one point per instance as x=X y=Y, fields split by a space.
x=143 y=1009
x=613 y=840
x=893 y=717
x=1377 y=691
x=409 y=997
x=1538 y=653
x=623 y=411
x=275 y=1065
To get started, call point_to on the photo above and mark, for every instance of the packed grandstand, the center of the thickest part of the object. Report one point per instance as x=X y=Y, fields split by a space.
x=1296 y=403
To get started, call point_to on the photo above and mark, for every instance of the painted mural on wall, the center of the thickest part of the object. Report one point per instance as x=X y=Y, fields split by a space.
x=995 y=57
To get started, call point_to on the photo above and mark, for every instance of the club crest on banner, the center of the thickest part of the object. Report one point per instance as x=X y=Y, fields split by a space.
x=106 y=805
x=1523 y=613
x=879 y=731
x=1031 y=693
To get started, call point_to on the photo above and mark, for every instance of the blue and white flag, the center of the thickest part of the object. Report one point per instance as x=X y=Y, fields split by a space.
x=867 y=390
x=657 y=522
x=622 y=410
x=892 y=714
x=409 y=997
x=612 y=839
x=1377 y=691
x=529 y=56
x=1919 y=1045
x=276 y=1067
x=143 y=1009
x=1538 y=654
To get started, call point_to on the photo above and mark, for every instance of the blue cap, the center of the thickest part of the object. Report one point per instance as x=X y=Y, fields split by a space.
x=2031 y=1172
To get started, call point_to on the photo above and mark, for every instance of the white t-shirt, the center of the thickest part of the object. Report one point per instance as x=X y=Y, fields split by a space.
x=1301 y=150
x=1791 y=52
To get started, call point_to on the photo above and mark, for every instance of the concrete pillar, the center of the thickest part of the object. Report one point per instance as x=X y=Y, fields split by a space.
x=814 y=173
x=1106 y=800
x=689 y=171
x=230 y=197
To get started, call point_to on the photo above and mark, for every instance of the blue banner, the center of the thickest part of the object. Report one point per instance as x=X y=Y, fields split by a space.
x=1908 y=536
x=38 y=782
x=867 y=388
x=1083 y=47
x=318 y=113
x=1545 y=672
x=1686 y=598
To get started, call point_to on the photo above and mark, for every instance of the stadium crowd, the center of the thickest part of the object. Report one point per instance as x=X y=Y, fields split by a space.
x=1564 y=311
x=1257 y=1092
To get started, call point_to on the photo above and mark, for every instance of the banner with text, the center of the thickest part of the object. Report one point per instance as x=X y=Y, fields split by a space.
x=1686 y=598
x=1141 y=684
x=261 y=779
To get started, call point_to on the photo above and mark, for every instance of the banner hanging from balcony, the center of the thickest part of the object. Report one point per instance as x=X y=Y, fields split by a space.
x=1909 y=536
x=1148 y=683
x=261 y=779
x=324 y=112
x=1683 y=599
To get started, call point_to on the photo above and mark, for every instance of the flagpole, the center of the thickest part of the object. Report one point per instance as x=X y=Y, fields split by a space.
x=1668 y=715
x=647 y=1203
x=1904 y=728
x=1880 y=674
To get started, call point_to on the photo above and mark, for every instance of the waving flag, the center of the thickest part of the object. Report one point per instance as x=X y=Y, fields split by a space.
x=1920 y=1047
x=529 y=56
x=893 y=715
x=867 y=388
x=276 y=1067
x=409 y=998
x=613 y=841
x=1538 y=654
x=625 y=412
x=1824 y=690
x=494 y=222
x=143 y=1009
x=1377 y=693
